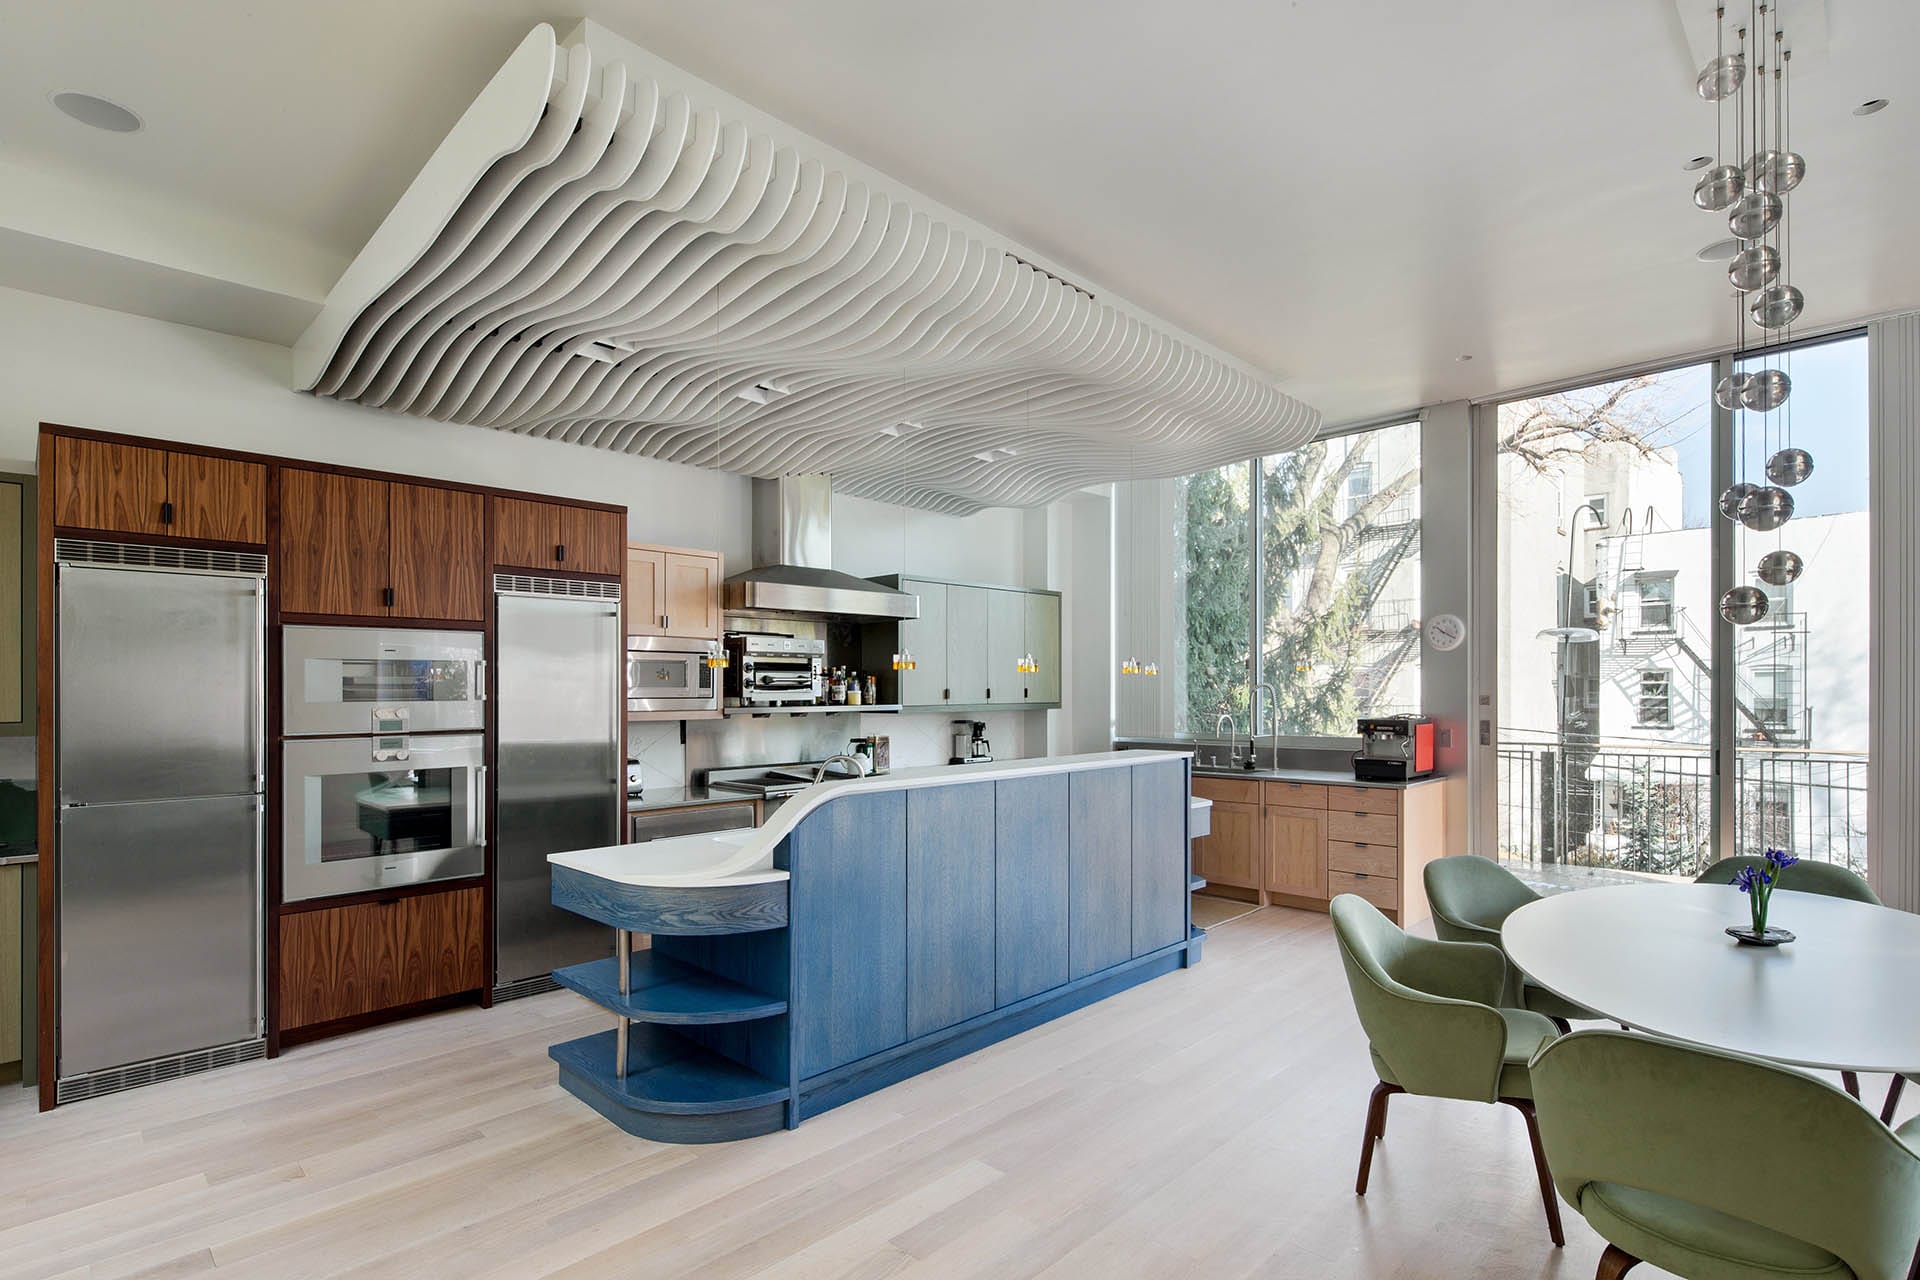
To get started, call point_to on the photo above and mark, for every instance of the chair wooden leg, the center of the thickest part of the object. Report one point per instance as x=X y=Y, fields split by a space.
x=1614 y=1263
x=1892 y=1104
x=1376 y=1129
x=1852 y=1082
x=1547 y=1196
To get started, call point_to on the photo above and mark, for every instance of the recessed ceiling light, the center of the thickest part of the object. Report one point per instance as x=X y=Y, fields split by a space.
x=97 y=112
x=1006 y=451
x=985 y=455
x=1719 y=251
x=1698 y=162
x=765 y=391
x=1870 y=106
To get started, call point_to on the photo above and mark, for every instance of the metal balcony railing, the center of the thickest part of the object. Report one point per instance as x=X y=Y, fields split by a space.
x=1651 y=811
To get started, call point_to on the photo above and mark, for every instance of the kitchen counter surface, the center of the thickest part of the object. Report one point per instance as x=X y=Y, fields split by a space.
x=728 y=858
x=1319 y=777
x=684 y=798
x=14 y=855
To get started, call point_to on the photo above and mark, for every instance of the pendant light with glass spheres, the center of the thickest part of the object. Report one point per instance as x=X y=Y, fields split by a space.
x=1751 y=188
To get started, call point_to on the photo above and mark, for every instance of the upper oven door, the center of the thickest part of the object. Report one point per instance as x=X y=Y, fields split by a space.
x=669 y=680
x=381 y=680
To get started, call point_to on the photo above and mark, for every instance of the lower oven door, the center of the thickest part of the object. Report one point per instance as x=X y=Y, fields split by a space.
x=371 y=813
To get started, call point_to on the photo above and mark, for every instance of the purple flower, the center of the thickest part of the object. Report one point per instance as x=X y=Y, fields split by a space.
x=1781 y=859
x=1747 y=879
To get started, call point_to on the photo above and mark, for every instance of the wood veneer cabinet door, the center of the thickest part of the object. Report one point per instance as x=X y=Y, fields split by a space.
x=117 y=488
x=439 y=553
x=692 y=595
x=590 y=540
x=334 y=550
x=1296 y=842
x=218 y=499
x=340 y=962
x=525 y=534
x=1233 y=853
x=645 y=591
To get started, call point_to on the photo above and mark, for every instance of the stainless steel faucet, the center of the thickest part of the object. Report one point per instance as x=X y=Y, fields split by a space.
x=859 y=766
x=1273 y=725
x=1226 y=718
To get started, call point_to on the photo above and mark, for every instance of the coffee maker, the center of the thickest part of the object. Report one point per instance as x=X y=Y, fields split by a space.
x=970 y=745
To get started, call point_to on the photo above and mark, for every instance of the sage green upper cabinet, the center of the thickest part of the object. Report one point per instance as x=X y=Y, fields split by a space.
x=925 y=637
x=1006 y=646
x=967 y=645
x=1043 y=646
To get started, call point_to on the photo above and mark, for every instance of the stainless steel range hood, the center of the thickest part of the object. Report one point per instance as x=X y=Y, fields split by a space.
x=792 y=549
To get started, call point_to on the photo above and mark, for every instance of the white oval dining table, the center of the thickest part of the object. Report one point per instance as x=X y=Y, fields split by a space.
x=1843 y=996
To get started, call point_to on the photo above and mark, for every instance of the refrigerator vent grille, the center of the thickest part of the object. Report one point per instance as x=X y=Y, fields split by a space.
x=520 y=584
x=114 y=1079
x=127 y=555
x=539 y=985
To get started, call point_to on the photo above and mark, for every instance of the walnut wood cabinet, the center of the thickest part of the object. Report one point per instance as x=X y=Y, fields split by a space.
x=1300 y=844
x=361 y=547
x=529 y=534
x=112 y=487
x=368 y=957
x=673 y=591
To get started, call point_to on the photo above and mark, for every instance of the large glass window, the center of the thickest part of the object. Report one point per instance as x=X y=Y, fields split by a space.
x=1611 y=557
x=1215 y=563
x=1340 y=579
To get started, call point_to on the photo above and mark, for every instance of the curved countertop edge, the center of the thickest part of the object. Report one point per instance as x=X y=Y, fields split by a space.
x=746 y=857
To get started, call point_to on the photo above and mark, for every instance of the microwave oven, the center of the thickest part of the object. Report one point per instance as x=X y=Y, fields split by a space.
x=670 y=675
x=368 y=680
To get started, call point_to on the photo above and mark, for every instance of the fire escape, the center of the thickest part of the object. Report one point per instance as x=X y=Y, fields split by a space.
x=1389 y=632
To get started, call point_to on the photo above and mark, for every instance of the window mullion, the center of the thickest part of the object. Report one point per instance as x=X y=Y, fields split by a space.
x=1256 y=597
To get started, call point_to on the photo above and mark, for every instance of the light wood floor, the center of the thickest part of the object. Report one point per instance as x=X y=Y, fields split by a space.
x=1206 y=1123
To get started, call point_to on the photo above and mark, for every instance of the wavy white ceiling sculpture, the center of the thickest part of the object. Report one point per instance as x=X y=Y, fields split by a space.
x=609 y=252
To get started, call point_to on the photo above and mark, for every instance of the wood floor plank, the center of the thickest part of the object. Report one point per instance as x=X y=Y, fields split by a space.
x=1204 y=1123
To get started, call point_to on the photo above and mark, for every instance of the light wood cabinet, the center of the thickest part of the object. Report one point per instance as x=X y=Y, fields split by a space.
x=543 y=536
x=1296 y=843
x=122 y=488
x=366 y=957
x=351 y=546
x=673 y=591
x=1232 y=854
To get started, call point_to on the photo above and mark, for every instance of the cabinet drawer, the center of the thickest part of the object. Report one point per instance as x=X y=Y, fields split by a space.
x=1363 y=859
x=1364 y=799
x=1382 y=891
x=1227 y=790
x=1297 y=795
x=1363 y=828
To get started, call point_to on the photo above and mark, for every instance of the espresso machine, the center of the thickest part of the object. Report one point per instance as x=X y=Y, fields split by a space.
x=970 y=745
x=1394 y=749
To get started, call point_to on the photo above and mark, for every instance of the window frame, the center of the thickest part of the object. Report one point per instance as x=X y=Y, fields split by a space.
x=1640 y=721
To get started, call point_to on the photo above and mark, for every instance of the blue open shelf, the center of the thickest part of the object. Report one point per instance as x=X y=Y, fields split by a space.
x=667 y=1074
x=668 y=991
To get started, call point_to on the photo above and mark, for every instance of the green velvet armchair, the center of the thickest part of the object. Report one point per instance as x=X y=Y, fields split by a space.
x=1715 y=1166
x=1828 y=879
x=1471 y=898
x=1433 y=1027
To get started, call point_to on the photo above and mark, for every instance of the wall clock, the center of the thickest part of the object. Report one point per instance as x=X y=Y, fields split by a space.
x=1446 y=631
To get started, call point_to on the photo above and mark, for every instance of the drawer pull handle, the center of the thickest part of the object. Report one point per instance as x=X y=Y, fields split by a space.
x=1359 y=813
x=1359 y=844
x=1359 y=875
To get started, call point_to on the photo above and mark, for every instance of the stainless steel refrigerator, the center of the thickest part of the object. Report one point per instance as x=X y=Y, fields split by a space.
x=161 y=779
x=558 y=775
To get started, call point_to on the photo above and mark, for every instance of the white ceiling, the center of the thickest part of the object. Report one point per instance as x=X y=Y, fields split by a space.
x=1346 y=194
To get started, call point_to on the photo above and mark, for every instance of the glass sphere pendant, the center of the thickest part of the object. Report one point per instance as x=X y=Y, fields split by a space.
x=1718 y=188
x=1776 y=171
x=1743 y=606
x=1766 y=509
x=1789 y=467
x=1730 y=391
x=1753 y=215
x=1777 y=306
x=1734 y=496
x=1767 y=389
x=1722 y=77
x=1778 y=568
x=1753 y=267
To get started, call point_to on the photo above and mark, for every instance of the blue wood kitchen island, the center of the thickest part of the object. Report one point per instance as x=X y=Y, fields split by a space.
x=873 y=929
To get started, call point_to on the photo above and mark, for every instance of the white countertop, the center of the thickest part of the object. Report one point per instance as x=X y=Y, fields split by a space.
x=746 y=857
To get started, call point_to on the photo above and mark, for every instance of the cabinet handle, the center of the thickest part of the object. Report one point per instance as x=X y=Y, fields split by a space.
x=1359 y=844
x=989 y=693
x=1359 y=813
x=386 y=596
x=387 y=902
x=560 y=554
x=166 y=513
x=946 y=695
x=666 y=620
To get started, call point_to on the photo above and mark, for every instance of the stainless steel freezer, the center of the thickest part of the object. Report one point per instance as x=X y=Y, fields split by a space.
x=559 y=779
x=160 y=772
